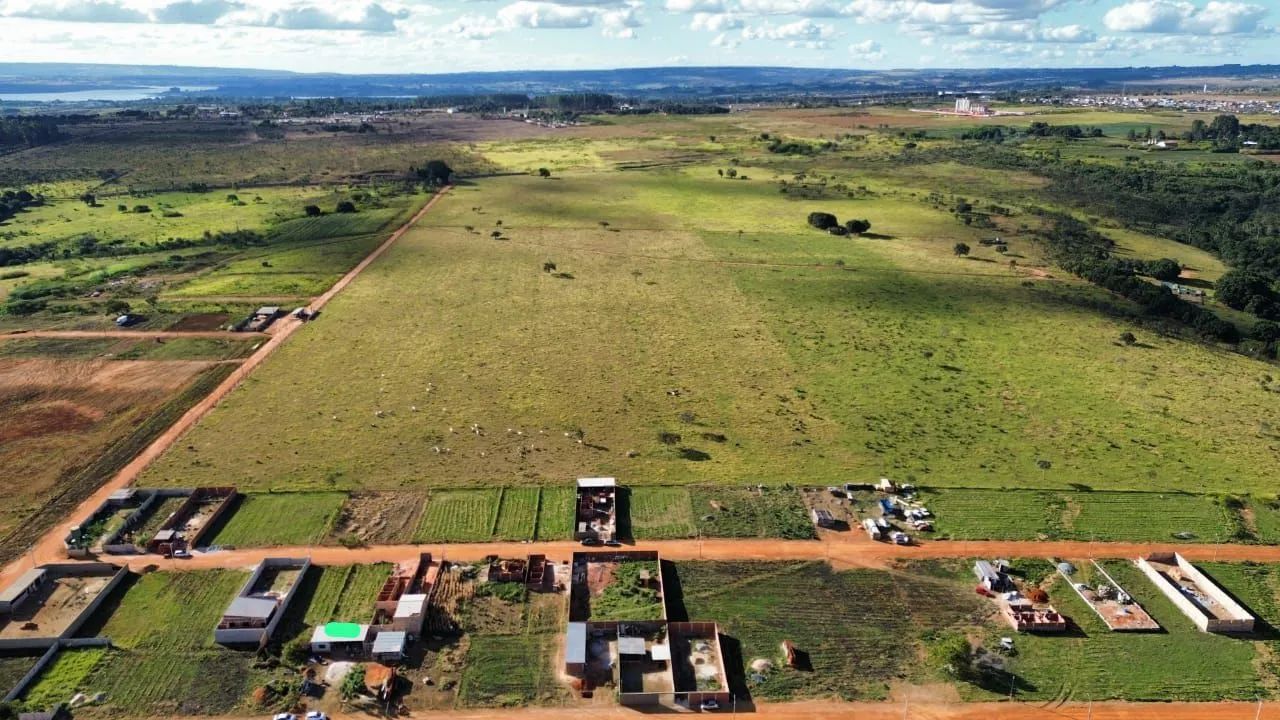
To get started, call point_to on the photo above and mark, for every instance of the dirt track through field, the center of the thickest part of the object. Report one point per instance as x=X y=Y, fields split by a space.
x=49 y=547
x=133 y=334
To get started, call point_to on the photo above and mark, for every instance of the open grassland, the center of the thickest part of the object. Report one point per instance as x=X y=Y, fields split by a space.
x=171 y=215
x=279 y=519
x=971 y=514
x=1093 y=663
x=713 y=339
x=169 y=156
x=758 y=605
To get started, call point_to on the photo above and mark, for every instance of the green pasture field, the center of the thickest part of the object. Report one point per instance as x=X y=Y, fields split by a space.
x=280 y=519
x=1177 y=663
x=168 y=612
x=172 y=215
x=517 y=514
x=1014 y=514
x=760 y=604
x=459 y=516
x=811 y=358
x=556 y=510
x=659 y=513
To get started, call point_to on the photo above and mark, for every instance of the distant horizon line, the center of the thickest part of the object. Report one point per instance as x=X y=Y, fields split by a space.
x=5 y=64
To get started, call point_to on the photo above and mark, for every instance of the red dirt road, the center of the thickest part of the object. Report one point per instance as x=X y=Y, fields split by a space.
x=842 y=550
x=823 y=709
x=49 y=547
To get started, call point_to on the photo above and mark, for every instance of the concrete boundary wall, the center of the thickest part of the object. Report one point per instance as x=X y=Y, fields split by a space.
x=117 y=575
x=261 y=636
x=1239 y=622
x=52 y=652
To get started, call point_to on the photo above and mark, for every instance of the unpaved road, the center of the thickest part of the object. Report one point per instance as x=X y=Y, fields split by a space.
x=823 y=709
x=842 y=550
x=133 y=334
x=49 y=547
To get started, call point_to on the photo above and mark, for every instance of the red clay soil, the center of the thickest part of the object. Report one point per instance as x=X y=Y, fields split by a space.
x=822 y=709
x=49 y=548
x=839 y=549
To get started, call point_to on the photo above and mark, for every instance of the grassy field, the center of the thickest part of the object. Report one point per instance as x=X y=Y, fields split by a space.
x=169 y=612
x=758 y=605
x=517 y=514
x=63 y=677
x=163 y=657
x=345 y=593
x=556 y=513
x=507 y=671
x=279 y=519
x=972 y=514
x=789 y=354
x=747 y=512
x=459 y=516
x=658 y=513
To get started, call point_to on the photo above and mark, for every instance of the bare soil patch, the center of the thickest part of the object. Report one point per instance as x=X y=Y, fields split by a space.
x=382 y=518
x=200 y=322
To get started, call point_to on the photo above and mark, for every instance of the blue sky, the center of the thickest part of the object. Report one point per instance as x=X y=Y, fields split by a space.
x=453 y=35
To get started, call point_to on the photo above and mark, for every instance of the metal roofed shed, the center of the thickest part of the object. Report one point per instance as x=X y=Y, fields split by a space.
x=575 y=645
x=660 y=652
x=17 y=592
x=251 y=607
x=389 y=645
x=410 y=605
x=601 y=482
x=337 y=636
x=631 y=646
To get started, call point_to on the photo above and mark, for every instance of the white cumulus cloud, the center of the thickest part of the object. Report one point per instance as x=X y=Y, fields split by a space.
x=1168 y=16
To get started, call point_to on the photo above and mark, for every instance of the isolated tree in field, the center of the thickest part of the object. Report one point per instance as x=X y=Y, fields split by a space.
x=960 y=249
x=548 y=266
x=346 y=206
x=1163 y=269
x=142 y=208
x=720 y=172
x=89 y=199
x=857 y=227
x=436 y=172
x=731 y=173
x=122 y=208
x=1128 y=338
x=822 y=220
x=543 y=172
x=116 y=307
x=495 y=234
x=312 y=210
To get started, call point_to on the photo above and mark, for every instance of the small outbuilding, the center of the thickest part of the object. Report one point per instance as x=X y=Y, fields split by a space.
x=339 y=637
x=822 y=518
x=389 y=646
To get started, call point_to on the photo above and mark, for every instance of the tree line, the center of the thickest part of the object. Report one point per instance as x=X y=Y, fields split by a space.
x=28 y=131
